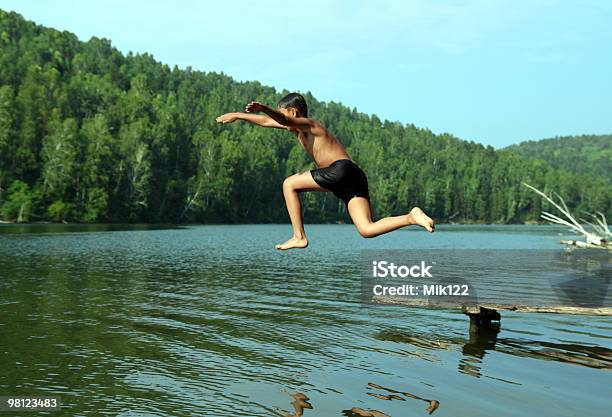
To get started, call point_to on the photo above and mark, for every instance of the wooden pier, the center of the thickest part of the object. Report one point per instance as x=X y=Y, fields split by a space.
x=483 y=314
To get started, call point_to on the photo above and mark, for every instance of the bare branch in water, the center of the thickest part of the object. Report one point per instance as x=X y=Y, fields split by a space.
x=593 y=239
x=601 y=226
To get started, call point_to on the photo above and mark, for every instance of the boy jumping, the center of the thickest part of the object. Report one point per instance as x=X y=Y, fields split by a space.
x=336 y=172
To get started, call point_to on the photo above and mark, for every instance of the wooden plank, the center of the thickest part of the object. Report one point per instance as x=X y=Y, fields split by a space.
x=530 y=281
x=475 y=308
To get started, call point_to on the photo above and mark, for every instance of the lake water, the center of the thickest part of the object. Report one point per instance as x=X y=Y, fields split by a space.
x=212 y=321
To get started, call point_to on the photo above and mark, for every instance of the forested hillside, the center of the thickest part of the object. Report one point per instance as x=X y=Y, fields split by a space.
x=585 y=154
x=88 y=134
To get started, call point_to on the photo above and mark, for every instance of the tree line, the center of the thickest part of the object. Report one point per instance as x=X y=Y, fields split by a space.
x=88 y=134
x=585 y=154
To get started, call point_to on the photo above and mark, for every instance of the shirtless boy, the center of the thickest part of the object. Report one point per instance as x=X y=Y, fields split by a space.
x=336 y=172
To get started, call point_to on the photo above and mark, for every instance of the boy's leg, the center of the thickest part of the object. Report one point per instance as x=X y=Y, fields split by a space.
x=359 y=210
x=292 y=186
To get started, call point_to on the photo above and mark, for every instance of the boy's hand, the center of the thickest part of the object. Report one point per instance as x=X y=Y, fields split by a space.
x=254 y=107
x=226 y=118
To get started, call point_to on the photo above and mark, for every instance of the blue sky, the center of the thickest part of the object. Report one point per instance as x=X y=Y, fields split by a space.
x=496 y=72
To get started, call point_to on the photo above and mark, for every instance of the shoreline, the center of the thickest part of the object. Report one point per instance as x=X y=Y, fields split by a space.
x=5 y=222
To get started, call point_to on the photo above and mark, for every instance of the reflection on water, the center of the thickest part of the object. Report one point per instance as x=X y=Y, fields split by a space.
x=299 y=403
x=591 y=356
x=212 y=321
x=432 y=404
x=360 y=412
x=477 y=345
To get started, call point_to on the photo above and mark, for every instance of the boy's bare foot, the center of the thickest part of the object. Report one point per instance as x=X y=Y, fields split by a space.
x=416 y=216
x=293 y=243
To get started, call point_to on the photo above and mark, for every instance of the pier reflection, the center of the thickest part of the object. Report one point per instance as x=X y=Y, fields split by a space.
x=476 y=347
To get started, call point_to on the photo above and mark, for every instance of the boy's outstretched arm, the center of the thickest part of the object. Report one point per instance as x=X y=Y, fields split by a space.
x=257 y=119
x=301 y=123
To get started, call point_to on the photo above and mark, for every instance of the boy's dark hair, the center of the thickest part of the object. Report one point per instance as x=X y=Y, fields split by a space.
x=296 y=101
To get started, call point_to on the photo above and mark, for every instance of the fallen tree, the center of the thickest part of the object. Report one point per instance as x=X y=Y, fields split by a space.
x=600 y=235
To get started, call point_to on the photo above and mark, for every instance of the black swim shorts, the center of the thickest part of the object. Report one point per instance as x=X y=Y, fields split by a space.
x=344 y=178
